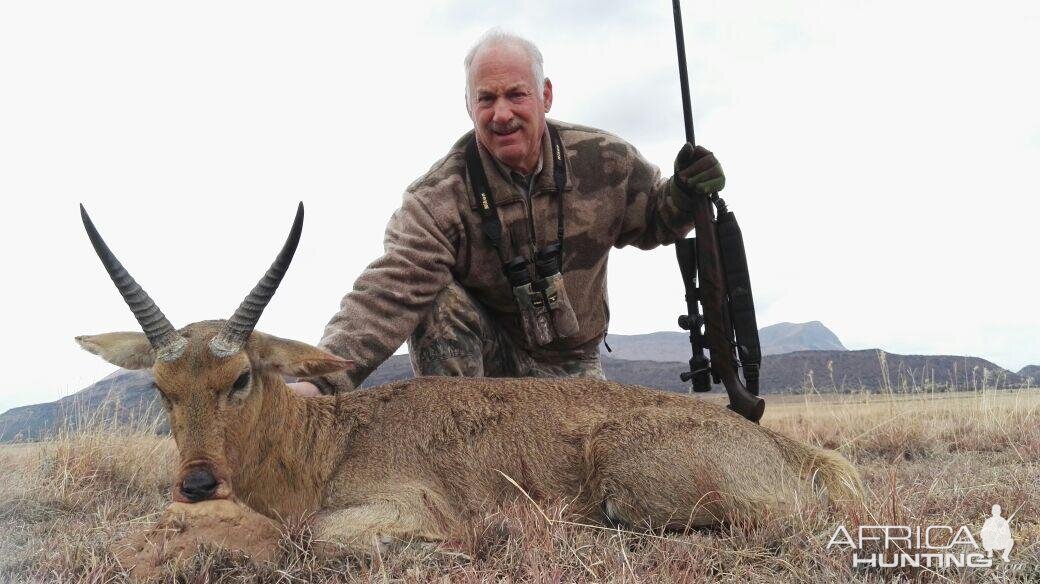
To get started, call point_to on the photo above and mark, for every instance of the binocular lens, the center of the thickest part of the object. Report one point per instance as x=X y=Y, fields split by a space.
x=546 y=264
x=516 y=271
x=547 y=260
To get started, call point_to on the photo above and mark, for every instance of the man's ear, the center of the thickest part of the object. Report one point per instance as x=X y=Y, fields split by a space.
x=547 y=95
x=126 y=350
x=295 y=358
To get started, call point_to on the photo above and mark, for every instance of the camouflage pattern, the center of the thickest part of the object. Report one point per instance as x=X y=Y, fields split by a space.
x=458 y=337
x=613 y=197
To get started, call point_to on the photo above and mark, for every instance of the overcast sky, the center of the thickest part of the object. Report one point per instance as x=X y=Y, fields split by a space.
x=882 y=157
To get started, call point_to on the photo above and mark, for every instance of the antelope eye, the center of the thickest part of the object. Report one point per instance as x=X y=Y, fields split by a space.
x=241 y=382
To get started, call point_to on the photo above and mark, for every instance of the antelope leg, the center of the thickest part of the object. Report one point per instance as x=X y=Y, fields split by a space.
x=384 y=523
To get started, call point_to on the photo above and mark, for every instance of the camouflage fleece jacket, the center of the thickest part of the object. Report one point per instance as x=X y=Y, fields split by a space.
x=612 y=197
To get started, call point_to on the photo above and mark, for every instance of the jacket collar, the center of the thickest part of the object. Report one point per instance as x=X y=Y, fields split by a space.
x=502 y=189
x=514 y=177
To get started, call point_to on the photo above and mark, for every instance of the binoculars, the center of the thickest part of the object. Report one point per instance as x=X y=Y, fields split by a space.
x=545 y=309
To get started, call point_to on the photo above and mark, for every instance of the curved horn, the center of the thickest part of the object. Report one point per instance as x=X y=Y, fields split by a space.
x=168 y=345
x=230 y=340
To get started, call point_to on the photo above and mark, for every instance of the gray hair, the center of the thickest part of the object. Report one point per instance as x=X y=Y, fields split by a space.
x=498 y=37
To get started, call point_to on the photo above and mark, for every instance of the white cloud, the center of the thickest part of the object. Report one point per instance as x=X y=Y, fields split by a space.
x=881 y=157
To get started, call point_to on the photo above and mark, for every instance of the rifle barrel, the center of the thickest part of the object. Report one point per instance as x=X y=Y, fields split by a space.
x=711 y=288
x=684 y=78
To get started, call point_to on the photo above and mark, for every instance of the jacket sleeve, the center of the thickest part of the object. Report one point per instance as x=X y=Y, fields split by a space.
x=391 y=295
x=655 y=211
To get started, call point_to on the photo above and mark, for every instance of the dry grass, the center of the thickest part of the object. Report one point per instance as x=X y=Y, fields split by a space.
x=933 y=460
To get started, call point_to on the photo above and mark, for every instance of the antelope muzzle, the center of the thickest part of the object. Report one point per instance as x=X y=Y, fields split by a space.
x=200 y=483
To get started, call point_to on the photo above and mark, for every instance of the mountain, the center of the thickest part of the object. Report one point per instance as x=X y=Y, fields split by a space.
x=877 y=370
x=121 y=397
x=784 y=337
x=843 y=371
x=127 y=395
x=788 y=337
x=660 y=346
x=1031 y=371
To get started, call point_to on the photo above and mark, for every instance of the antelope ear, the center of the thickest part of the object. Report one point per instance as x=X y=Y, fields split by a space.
x=295 y=358
x=126 y=350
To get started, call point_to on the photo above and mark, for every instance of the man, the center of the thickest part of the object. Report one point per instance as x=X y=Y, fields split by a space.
x=476 y=275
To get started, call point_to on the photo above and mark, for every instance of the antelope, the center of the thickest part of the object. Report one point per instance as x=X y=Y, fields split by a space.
x=418 y=460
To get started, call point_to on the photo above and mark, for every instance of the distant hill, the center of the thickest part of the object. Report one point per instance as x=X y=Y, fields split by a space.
x=1031 y=371
x=120 y=397
x=788 y=337
x=842 y=371
x=784 y=337
x=126 y=395
x=876 y=370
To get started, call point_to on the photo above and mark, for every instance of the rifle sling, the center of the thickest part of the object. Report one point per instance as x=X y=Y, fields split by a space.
x=741 y=302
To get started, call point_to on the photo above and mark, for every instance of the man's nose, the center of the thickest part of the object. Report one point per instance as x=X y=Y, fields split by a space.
x=503 y=113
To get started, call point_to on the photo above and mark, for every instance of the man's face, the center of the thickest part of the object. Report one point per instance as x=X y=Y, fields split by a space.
x=508 y=113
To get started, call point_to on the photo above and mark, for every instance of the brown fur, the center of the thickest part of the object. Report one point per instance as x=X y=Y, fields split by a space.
x=417 y=459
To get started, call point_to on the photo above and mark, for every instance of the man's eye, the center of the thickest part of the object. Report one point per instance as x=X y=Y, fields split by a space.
x=241 y=382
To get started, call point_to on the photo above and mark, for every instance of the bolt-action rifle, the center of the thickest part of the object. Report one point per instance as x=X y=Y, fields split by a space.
x=714 y=271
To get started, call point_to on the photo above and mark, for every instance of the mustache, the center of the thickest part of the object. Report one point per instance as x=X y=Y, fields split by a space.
x=513 y=124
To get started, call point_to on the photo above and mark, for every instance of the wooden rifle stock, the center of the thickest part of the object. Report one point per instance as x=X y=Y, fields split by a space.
x=710 y=288
x=718 y=330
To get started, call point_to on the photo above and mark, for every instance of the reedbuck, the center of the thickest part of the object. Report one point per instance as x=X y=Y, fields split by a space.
x=419 y=459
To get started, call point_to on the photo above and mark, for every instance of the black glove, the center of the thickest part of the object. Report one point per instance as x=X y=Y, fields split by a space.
x=697 y=172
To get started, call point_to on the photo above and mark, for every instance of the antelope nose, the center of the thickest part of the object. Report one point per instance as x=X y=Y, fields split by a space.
x=198 y=485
